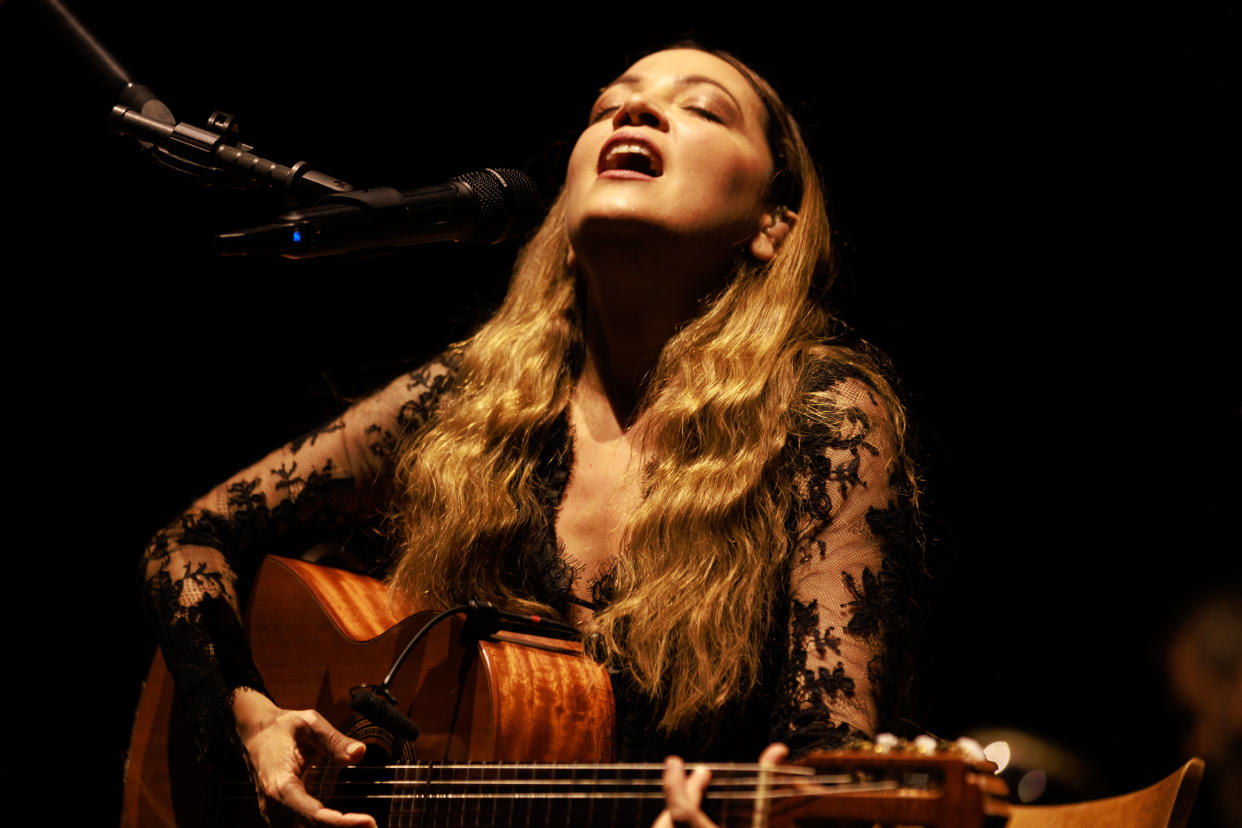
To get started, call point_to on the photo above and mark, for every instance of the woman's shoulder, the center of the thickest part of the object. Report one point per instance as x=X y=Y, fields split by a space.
x=430 y=376
x=415 y=392
x=844 y=400
x=402 y=405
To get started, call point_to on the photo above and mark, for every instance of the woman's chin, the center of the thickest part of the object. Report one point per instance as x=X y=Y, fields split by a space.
x=625 y=222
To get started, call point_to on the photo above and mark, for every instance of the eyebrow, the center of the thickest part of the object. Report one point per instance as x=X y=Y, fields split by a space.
x=683 y=80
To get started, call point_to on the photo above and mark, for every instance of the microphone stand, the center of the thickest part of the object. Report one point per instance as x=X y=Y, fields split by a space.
x=487 y=206
x=212 y=155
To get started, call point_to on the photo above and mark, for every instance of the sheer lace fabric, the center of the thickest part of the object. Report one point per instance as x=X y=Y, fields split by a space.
x=839 y=612
x=827 y=664
x=325 y=489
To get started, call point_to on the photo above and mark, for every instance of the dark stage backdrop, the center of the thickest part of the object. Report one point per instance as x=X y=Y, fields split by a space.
x=1037 y=214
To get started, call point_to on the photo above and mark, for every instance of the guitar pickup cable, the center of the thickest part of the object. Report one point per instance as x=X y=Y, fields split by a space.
x=483 y=620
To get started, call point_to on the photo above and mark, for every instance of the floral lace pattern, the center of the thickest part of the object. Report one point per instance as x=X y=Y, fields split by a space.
x=325 y=488
x=826 y=673
x=847 y=614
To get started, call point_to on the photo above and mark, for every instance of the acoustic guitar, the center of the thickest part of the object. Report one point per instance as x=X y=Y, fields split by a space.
x=515 y=729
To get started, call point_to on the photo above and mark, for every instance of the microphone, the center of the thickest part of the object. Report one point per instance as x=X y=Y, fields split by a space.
x=481 y=207
x=382 y=712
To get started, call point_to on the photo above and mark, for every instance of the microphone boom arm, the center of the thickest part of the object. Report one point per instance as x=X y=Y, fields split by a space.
x=212 y=155
x=485 y=207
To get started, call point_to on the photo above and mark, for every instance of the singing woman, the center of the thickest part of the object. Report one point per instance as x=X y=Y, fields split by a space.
x=662 y=437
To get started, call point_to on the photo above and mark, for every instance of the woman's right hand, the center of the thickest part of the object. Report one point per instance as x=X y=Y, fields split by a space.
x=279 y=744
x=683 y=793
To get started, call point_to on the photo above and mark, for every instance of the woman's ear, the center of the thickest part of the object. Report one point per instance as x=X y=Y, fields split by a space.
x=571 y=258
x=773 y=228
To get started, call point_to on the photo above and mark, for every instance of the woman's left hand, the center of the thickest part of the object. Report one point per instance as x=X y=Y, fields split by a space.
x=683 y=794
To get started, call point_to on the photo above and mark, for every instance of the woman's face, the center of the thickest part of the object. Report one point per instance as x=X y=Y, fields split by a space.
x=676 y=144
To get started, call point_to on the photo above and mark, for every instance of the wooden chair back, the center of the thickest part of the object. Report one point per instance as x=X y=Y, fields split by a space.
x=1165 y=804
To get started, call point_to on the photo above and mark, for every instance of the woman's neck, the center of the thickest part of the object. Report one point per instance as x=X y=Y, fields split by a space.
x=634 y=303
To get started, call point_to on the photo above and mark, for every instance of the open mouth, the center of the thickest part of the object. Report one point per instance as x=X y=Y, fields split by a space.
x=632 y=156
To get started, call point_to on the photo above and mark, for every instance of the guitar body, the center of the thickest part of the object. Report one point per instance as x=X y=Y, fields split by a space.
x=316 y=633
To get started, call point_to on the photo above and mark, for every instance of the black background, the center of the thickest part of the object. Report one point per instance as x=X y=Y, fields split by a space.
x=1037 y=214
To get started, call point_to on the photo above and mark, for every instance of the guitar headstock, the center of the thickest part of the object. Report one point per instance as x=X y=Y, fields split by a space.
x=925 y=781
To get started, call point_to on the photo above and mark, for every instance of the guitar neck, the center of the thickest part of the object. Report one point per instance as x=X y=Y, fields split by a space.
x=520 y=794
x=912 y=790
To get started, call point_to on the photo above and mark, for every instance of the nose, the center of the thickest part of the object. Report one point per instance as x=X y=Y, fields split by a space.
x=639 y=110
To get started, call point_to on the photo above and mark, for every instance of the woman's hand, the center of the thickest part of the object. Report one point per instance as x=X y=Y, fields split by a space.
x=683 y=794
x=279 y=744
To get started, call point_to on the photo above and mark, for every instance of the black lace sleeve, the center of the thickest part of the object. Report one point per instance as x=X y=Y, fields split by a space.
x=319 y=489
x=845 y=589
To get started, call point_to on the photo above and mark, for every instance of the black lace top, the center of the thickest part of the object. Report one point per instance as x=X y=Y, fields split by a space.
x=827 y=669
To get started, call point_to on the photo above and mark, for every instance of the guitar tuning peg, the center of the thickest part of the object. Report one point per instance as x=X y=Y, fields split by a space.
x=926 y=745
x=972 y=749
x=885 y=742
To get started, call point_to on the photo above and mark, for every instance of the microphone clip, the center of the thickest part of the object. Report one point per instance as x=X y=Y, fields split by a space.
x=375 y=703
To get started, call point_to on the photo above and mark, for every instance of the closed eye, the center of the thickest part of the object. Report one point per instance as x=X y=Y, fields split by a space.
x=602 y=113
x=705 y=113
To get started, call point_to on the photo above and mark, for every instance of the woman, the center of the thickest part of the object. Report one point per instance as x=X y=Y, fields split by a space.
x=656 y=438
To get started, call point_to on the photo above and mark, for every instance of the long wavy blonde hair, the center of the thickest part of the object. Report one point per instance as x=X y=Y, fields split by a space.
x=718 y=409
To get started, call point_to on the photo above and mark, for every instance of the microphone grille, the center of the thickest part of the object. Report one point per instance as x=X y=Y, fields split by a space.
x=508 y=203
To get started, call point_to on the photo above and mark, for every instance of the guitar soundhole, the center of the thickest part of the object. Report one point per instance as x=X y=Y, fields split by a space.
x=368 y=786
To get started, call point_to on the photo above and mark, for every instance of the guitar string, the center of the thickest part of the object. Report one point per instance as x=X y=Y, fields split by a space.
x=737 y=793
x=458 y=802
x=317 y=774
x=721 y=789
x=508 y=812
x=432 y=819
x=831 y=779
x=609 y=766
x=854 y=788
x=571 y=780
x=590 y=814
x=616 y=808
x=740 y=785
x=462 y=822
x=575 y=767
